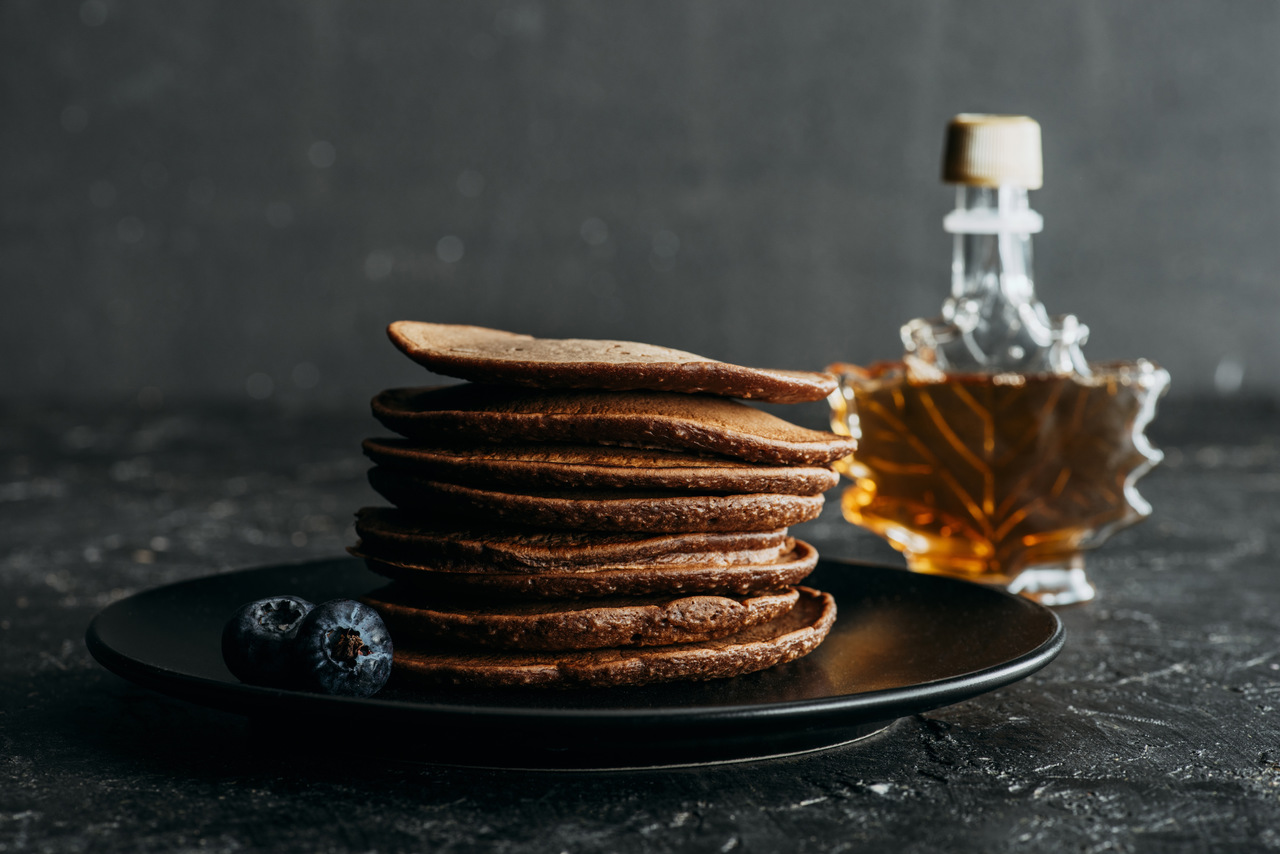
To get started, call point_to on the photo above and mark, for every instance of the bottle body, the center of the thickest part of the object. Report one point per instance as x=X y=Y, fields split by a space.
x=1005 y=479
x=993 y=450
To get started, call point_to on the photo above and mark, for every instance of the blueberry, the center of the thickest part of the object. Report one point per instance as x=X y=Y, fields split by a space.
x=257 y=643
x=343 y=648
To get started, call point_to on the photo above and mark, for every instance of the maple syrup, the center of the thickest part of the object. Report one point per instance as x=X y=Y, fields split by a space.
x=986 y=476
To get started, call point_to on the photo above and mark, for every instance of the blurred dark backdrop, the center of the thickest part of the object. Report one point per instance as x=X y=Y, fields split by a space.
x=208 y=200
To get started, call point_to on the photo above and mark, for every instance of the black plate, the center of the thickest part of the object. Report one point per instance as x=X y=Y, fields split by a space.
x=903 y=643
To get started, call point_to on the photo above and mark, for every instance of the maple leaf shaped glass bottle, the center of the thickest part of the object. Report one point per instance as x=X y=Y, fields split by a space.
x=993 y=450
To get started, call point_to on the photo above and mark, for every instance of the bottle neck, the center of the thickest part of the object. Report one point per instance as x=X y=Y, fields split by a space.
x=991 y=259
x=992 y=322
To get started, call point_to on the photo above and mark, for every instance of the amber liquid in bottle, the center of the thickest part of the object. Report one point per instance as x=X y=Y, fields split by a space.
x=984 y=476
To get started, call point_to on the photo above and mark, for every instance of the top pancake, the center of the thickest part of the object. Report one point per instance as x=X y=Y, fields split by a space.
x=646 y=419
x=493 y=356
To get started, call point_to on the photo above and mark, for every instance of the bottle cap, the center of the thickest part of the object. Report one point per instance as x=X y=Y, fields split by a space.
x=988 y=151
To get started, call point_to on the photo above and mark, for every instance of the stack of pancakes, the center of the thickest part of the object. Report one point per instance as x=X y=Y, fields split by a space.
x=592 y=513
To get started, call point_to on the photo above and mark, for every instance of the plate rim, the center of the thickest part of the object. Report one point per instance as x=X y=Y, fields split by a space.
x=242 y=699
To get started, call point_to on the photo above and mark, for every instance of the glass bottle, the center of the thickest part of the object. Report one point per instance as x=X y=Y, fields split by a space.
x=993 y=450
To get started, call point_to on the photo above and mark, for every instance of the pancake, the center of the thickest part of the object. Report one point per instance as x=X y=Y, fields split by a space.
x=492 y=356
x=784 y=639
x=572 y=625
x=393 y=534
x=598 y=510
x=588 y=467
x=645 y=419
x=631 y=579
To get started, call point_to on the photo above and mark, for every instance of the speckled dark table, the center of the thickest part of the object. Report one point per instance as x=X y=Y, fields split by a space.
x=1156 y=729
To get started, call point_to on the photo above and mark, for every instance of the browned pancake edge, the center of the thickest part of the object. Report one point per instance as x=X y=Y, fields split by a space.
x=491 y=547
x=574 y=624
x=588 y=581
x=784 y=639
x=601 y=510
x=645 y=419
x=586 y=467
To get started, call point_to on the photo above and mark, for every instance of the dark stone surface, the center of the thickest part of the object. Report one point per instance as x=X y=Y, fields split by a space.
x=1156 y=729
x=195 y=193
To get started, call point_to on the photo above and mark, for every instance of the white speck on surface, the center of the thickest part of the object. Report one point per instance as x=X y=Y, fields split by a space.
x=280 y=214
x=880 y=788
x=1094 y=713
x=322 y=154
x=40 y=487
x=1210 y=456
x=1228 y=376
x=379 y=264
x=666 y=244
x=1180 y=667
x=808 y=802
x=594 y=231
x=522 y=20
x=222 y=509
x=259 y=386
x=80 y=437
x=450 y=249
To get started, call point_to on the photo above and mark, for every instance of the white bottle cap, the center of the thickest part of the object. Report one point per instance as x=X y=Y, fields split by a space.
x=989 y=151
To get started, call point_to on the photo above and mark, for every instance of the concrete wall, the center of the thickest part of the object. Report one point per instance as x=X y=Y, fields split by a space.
x=226 y=199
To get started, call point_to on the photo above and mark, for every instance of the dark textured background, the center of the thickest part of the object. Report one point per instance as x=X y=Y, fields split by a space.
x=231 y=200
